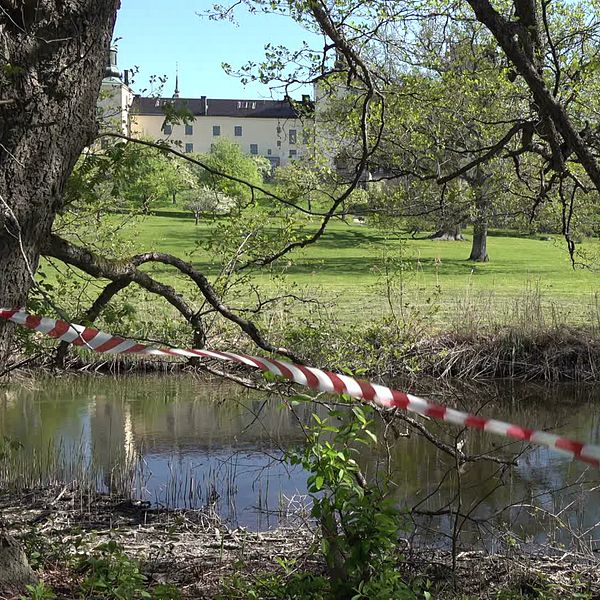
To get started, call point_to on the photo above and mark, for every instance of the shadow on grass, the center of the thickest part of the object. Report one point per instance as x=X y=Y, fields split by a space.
x=348 y=239
x=367 y=265
x=506 y=233
x=183 y=214
x=175 y=214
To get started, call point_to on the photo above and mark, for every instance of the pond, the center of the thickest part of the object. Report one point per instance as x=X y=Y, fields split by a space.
x=178 y=442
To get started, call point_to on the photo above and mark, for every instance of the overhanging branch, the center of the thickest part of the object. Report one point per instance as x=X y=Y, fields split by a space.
x=127 y=269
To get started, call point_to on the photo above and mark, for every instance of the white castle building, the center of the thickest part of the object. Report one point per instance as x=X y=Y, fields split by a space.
x=275 y=129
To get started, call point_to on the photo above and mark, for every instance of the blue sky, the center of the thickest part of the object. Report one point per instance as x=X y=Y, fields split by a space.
x=156 y=35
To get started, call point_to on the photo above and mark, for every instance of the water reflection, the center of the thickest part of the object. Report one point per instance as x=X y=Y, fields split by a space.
x=175 y=442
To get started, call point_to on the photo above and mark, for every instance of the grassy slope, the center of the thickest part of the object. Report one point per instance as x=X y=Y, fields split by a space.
x=346 y=265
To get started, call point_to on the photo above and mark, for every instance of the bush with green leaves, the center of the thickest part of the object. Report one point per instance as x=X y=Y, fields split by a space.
x=359 y=522
x=39 y=591
x=276 y=586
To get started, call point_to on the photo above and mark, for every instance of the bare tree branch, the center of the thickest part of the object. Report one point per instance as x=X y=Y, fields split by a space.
x=509 y=35
x=116 y=270
x=493 y=151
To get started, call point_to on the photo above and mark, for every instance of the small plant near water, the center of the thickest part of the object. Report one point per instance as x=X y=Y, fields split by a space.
x=110 y=573
x=276 y=586
x=359 y=523
x=39 y=591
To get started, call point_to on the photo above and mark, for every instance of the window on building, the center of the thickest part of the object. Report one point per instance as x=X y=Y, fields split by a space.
x=269 y=152
x=305 y=137
x=237 y=131
x=216 y=130
x=279 y=143
x=292 y=136
x=189 y=130
x=167 y=129
x=189 y=147
x=253 y=148
x=293 y=153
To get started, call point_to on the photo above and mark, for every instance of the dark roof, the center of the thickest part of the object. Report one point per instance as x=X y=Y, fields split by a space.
x=215 y=107
x=250 y=108
x=155 y=106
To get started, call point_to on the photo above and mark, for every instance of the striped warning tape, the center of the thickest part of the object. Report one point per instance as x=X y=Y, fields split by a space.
x=317 y=379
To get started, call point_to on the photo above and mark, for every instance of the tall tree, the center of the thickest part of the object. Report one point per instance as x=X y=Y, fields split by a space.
x=53 y=56
x=550 y=50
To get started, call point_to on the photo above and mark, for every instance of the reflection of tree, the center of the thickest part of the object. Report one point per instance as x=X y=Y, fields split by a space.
x=488 y=495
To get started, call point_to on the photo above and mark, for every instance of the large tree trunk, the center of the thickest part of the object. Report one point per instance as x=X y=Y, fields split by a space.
x=479 y=244
x=15 y=572
x=53 y=54
x=479 y=184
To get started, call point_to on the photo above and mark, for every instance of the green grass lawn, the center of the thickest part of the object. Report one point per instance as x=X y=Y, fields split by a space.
x=346 y=267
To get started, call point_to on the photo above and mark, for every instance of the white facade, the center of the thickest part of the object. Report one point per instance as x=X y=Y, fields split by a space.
x=114 y=106
x=278 y=139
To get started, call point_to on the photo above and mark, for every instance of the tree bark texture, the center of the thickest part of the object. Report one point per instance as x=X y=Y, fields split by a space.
x=479 y=244
x=52 y=58
x=53 y=54
x=15 y=572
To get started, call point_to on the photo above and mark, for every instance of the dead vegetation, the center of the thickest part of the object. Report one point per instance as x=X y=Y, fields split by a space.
x=196 y=552
x=564 y=354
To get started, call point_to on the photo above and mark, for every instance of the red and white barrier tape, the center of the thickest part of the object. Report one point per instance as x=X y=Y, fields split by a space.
x=317 y=379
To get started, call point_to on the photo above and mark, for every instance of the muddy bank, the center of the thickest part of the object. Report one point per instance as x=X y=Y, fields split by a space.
x=198 y=554
x=192 y=550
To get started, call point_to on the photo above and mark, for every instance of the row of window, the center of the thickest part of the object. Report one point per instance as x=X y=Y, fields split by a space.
x=168 y=129
x=216 y=131
x=253 y=150
x=238 y=132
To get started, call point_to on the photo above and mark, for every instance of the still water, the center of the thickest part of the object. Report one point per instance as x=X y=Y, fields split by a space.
x=181 y=443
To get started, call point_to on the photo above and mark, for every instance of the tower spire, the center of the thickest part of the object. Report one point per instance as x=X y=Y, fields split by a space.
x=176 y=93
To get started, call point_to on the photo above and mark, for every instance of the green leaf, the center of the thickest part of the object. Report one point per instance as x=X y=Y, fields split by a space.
x=371 y=435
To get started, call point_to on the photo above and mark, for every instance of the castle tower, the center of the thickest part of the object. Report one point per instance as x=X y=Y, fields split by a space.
x=116 y=98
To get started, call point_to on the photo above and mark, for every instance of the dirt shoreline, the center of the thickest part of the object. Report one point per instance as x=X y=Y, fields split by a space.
x=196 y=552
